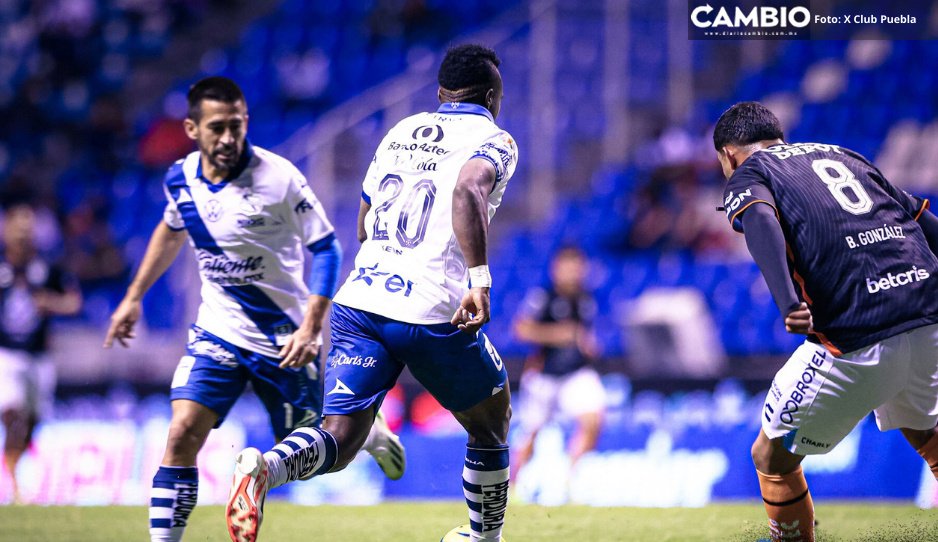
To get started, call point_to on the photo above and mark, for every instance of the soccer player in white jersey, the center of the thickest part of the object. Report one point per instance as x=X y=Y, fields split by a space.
x=418 y=296
x=248 y=214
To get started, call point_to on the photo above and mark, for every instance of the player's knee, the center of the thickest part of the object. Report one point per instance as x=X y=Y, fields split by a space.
x=761 y=455
x=183 y=440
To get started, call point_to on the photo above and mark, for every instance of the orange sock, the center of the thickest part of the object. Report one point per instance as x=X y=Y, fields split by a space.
x=789 y=506
x=929 y=453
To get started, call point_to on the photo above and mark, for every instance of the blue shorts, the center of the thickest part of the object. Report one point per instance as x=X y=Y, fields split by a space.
x=214 y=373
x=370 y=351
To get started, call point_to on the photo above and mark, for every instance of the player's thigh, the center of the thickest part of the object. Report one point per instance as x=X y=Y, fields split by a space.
x=292 y=397
x=582 y=393
x=210 y=374
x=359 y=369
x=459 y=369
x=14 y=380
x=816 y=399
x=916 y=405
x=42 y=386
x=537 y=400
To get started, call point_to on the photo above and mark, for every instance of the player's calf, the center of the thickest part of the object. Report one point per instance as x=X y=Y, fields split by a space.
x=307 y=452
x=926 y=444
x=784 y=490
x=174 y=494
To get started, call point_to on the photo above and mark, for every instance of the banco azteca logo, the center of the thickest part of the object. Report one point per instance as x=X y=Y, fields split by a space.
x=745 y=19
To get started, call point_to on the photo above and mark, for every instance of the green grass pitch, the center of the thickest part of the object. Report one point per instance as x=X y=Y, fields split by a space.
x=419 y=522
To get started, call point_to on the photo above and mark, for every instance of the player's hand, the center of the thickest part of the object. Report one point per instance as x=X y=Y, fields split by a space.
x=799 y=321
x=122 y=323
x=587 y=344
x=302 y=348
x=474 y=311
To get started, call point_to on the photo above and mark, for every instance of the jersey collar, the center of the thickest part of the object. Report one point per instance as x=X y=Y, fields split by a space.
x=235 y=172
x=460 y=108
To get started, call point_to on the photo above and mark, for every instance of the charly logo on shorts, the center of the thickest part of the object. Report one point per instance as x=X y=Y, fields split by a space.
x=355 y=361
x=800 y=391
x=213 y=351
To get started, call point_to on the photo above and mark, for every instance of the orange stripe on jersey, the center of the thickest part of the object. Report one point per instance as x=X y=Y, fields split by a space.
x=797 y=276
x=925 y=205
x=748 y=205
x=829 y=345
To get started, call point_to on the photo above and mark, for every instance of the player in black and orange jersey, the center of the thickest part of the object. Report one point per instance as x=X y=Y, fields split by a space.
x=850 y=261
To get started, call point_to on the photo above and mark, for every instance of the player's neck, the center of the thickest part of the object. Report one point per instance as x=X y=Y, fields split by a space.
x=211 y=173
x=18 y=255
x=753 y=148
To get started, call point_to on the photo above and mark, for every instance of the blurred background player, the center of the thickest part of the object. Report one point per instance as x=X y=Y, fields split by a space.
x=862 y=254
x=31 y=291
x=248 y=214
x=558 y=380
x=427 y=199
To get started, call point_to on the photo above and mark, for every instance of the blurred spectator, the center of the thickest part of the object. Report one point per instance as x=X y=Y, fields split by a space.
x=558 y=378
x=31 y=291
x=89 y=248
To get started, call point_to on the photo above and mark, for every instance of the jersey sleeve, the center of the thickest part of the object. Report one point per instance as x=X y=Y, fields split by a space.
x=307 y=212
x=501 y=150
x=370 y=184
x=171 y=214
x=746 y=187
x=534 y=305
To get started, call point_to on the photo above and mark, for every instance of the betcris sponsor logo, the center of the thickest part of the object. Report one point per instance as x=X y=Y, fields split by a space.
x=745 y=19
x=875 y=285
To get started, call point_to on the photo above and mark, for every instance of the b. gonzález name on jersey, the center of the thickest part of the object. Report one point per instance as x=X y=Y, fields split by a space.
x=410 y=268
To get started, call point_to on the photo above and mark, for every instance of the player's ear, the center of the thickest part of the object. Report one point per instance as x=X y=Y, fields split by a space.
x=490 y=98
x=439 y=94
x=191 y=128
x=731 y=157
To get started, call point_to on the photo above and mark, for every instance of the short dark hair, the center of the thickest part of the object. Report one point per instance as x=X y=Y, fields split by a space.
x=569 y=251
x=469 y=67
x=744 y=124
x=216 y=88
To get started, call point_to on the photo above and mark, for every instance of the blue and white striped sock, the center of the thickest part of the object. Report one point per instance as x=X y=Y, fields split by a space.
x=485 y=484
x=306 y=452
x=174 y=494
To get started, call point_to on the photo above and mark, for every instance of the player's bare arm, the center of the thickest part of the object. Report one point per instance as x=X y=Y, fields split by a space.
x=161 y=252
x=52 y=303
x=549 y=334
x=363 y=209
x=766 y=243
x=470 y=224
x=303 y=346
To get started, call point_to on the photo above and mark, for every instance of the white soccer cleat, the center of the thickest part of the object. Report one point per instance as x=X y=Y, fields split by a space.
x=386 y=448
x=245 y=508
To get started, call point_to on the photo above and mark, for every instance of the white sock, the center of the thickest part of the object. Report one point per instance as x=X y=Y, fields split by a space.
x=306 y=452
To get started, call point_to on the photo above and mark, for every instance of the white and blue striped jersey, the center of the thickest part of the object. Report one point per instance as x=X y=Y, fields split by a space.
x=410 y=268
x=250 y=234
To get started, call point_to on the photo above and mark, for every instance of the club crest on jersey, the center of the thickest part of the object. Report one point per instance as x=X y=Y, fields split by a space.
x=214 y=210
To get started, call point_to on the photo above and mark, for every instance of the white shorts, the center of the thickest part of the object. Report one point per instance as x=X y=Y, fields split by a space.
x=817 y=399
x=27 y=382
x=543 y=396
